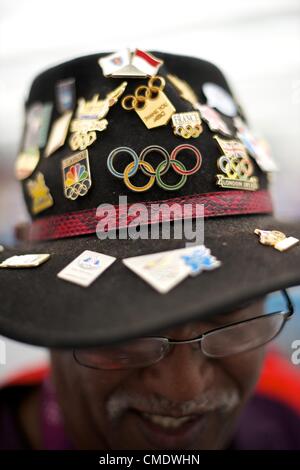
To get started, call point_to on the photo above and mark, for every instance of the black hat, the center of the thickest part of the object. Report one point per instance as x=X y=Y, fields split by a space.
x=72 y=159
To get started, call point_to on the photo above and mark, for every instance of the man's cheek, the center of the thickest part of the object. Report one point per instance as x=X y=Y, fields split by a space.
x=99 y=386
x=244 y=369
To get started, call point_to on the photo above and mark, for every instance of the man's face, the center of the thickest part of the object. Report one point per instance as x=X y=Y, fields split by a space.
x=185 y=401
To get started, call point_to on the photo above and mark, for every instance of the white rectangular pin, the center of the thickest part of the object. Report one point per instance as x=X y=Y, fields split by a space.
x=166 y=269
x=163 y=270
x=85 y=269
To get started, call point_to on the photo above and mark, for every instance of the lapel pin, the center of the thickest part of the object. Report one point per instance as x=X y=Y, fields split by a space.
x=236 y=166
x=276 y=239
x=33 y=121
x=132 y=65
x=45 y=123
x=37 y=123
x=187 y=124
x=76 y=175
x=185 y=90
x=40 y=194
x=220 y=99
x=150 y=103
x=26 y=163
x=90 y=118
x=85 y=269
x=164 y=270
x=155 y=174
x=25 y=261
x=200 y=259
x=256 y=147
x=213 y=119
x=65 y=95
x=58 y=133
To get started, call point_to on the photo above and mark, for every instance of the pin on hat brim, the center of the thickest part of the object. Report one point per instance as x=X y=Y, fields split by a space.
x=119 y=305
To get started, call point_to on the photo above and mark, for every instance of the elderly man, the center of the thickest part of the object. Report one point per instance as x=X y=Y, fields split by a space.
x=157 y=341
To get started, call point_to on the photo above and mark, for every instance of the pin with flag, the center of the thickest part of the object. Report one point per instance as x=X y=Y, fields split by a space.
x=126 y=64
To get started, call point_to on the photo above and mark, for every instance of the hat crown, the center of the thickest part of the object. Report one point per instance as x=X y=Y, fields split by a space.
x=99 y=98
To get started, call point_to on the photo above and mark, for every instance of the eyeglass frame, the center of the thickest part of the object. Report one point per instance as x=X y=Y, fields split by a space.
x=287 y=314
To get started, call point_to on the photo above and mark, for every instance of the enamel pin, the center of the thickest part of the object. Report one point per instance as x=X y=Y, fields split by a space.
x=184 y=89
x=256 y=147
x=37 y=122
x=90 y=118
x=86 y=268
x=123 y=63
x=276 y=239
x=44 y=125
x=40 y=194
x=26 y=163
x=33 y=122
x=187 y=124
x=165 y=270
x=76 y=175
x=65 y=95
x=213 y=119
x=150 y=103
x=25 y=261
x=236 y=166
x=220 y=99
x=58 y=133
x=200 y=259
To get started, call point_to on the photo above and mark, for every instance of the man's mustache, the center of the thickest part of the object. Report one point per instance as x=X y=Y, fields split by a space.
x=122 y=401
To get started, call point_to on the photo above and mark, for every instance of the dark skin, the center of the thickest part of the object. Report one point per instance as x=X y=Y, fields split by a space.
x=184 y=375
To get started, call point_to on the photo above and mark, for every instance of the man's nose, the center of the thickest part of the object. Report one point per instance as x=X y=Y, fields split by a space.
x=182 y=375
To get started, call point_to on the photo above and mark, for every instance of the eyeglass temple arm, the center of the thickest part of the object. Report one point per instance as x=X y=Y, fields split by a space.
x=289 y=302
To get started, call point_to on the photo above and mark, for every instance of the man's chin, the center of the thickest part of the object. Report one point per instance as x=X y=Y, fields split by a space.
x=138 y=431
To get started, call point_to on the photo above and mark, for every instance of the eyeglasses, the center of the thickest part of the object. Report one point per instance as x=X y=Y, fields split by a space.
x=228 y=340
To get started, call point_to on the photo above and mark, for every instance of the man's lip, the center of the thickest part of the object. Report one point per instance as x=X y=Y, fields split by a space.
x=158 y=437
x=165 y=414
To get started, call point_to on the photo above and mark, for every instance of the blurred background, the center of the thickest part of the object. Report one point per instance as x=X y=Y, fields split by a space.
x=256 y=43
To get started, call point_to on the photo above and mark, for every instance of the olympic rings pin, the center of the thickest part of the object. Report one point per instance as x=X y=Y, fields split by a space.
x=187 y=124
x=76 y=175
x=155 y=175
x=90 y=118
x=150 y=103
x=236 y=166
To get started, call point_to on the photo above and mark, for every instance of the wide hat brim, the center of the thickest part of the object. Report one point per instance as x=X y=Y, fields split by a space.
x=39 y=308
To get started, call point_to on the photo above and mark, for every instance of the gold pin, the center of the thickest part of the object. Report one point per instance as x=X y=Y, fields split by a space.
x=150 y=103
x=236 y=166
x=26 y=163
x=277 y=239
x=89 y=118
x=25 y=261
x=187 y=125
x=185 y=90
x=40 y=194
x=58 y=133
